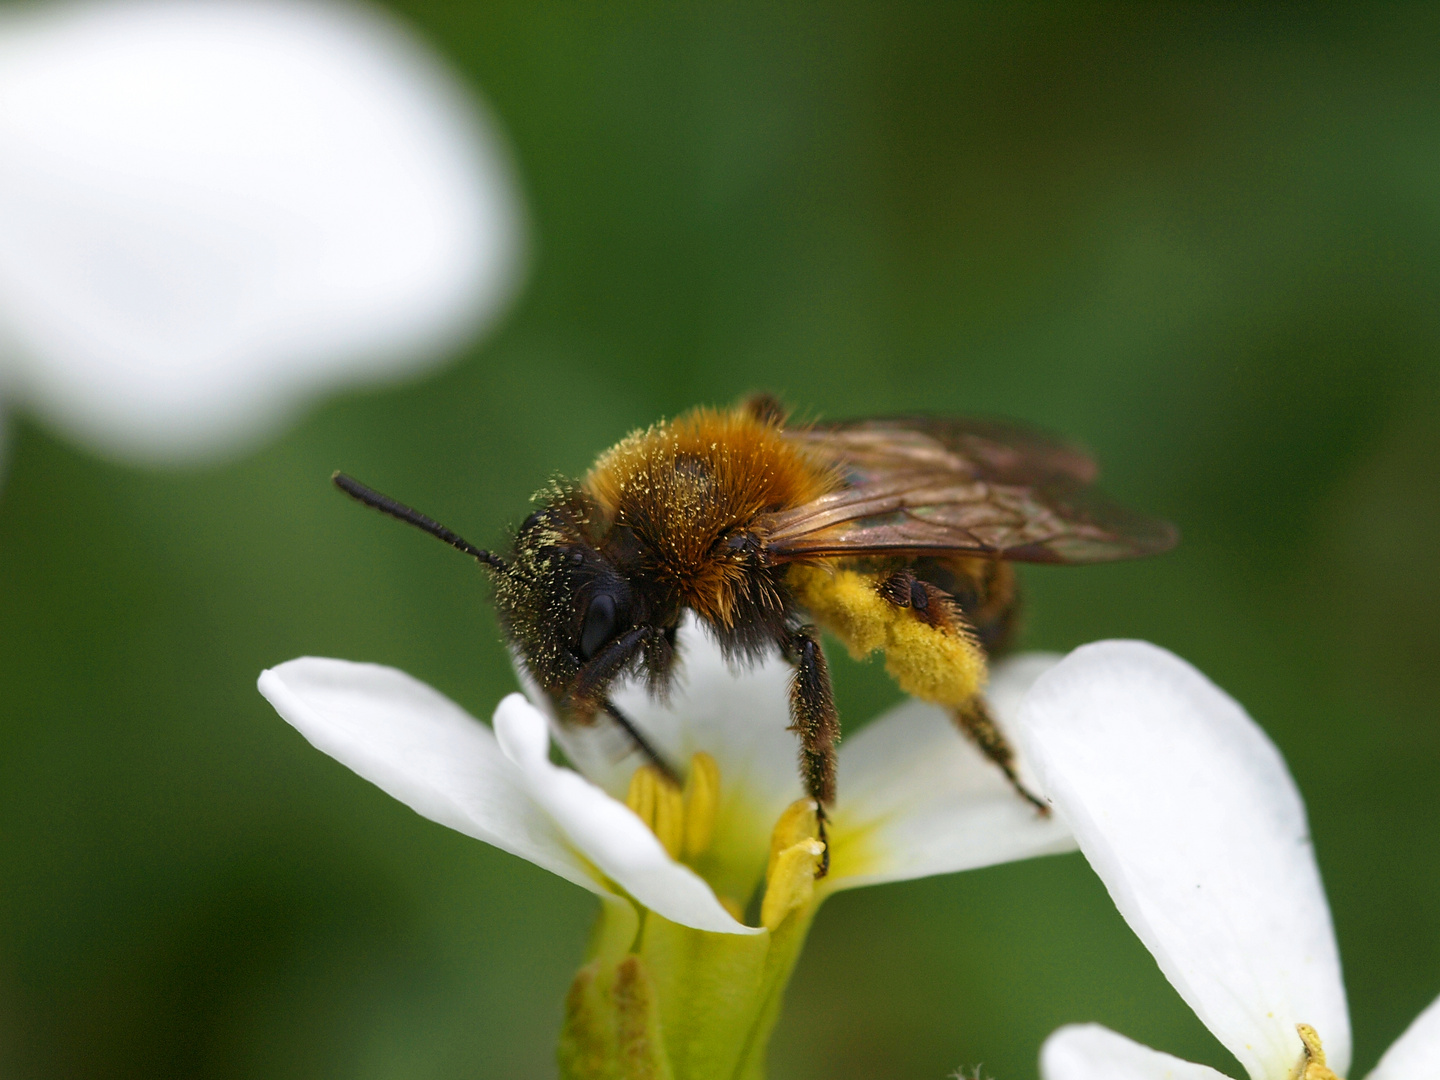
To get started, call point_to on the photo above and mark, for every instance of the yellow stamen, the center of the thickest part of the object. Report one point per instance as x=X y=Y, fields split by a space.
x=658 y=802
x=702 y=801
x=1313 y=1065
x=796 y=823
x=792 y=884
x=794 y=857
x=682 y=821
x=641 y=795
x=670 y=817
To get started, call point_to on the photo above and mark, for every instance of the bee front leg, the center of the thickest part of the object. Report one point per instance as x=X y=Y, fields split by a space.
x=590 y=694
x=641 y=743
x=814 y=719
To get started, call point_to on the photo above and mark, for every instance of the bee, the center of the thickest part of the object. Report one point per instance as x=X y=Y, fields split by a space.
x=894 y=534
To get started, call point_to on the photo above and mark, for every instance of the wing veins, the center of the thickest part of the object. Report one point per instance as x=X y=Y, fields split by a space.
x=966 y=486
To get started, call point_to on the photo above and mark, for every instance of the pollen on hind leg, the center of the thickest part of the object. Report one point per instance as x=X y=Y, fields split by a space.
x=845 y=603
x=934 y=661
x=940 y=666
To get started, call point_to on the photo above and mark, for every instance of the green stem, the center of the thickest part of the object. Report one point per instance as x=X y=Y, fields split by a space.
x=683 y=1005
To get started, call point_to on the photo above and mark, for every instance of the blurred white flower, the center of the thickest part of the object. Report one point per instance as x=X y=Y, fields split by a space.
x=915 y=798
x=1188 y=814
x=213 y=212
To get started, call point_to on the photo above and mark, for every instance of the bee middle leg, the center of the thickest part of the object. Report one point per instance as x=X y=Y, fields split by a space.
x=813 y=717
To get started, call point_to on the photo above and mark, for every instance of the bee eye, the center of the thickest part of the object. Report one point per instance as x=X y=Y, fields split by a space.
x=599 y=624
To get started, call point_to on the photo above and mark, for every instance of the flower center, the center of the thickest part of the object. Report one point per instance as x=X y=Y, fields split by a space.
x=1312 y=1065
x=683 y=820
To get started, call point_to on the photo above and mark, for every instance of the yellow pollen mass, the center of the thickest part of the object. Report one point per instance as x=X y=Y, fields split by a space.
x=940 y=666
x=1312 y=1065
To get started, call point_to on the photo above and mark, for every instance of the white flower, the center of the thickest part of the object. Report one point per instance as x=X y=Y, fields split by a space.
x=915 y=797
x=1187 y=812
x=212 y=212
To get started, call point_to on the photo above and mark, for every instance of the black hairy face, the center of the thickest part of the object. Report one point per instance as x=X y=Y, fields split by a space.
x=561 y=601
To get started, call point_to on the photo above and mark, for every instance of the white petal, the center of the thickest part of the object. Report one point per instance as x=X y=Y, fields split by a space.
x=210 y=211
x=1092 y=1052
x=1186 y=811
x=917 y=798
x=1416 y=1054
x=1010 y=680
x=419 y=746
x=605 y=830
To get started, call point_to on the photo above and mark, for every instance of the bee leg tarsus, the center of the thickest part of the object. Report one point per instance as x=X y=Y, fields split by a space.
x=814 y=719
x=974 y=720
x=821 y=819
x=927 y=602
x=898 y=589
x=641 y=743
x=1042 y=808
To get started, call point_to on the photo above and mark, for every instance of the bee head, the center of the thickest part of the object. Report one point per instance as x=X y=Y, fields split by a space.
x=560 y=600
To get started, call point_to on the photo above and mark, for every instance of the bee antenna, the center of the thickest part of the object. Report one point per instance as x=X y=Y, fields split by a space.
x=386 y=505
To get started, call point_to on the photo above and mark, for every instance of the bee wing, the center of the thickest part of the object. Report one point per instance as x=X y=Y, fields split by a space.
x=925 y=485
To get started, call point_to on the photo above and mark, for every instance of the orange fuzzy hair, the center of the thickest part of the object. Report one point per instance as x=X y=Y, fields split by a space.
x=686 y=485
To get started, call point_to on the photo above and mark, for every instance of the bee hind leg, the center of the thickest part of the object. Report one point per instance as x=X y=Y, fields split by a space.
x=814 y=719
x=938 y=657
x=974 y=720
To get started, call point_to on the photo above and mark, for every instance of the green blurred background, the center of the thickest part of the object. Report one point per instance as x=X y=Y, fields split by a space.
x=1205 y=241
